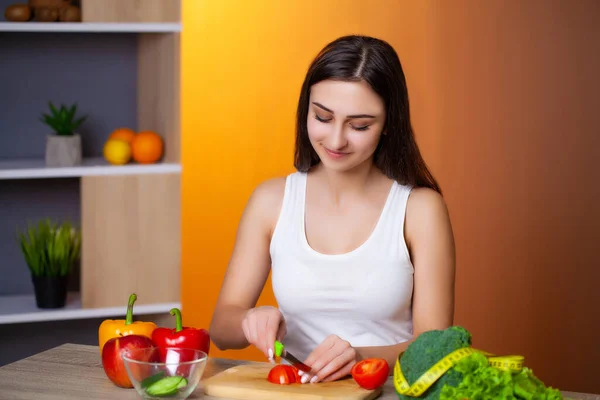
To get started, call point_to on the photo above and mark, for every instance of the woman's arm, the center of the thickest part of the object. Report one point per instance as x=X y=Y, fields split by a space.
x=429 y=237
x=248 y=267
x=431 y=244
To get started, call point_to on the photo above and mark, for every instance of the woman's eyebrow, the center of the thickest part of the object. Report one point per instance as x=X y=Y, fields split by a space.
x=349 y=116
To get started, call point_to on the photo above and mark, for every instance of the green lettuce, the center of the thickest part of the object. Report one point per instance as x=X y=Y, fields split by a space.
x=484 y=382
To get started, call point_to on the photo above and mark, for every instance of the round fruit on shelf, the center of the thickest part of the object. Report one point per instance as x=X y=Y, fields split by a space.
x=147 y=147
x=117 y=152
x=124 y=134
x=18 y=13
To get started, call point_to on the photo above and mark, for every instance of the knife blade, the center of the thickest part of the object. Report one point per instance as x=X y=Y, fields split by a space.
x=289 y=357
x=281 y=351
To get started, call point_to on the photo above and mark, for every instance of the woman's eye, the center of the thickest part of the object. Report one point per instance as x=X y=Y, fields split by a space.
x=360 y=128
x=321 y=119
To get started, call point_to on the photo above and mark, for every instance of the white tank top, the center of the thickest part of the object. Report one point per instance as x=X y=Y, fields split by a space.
x=363 y=296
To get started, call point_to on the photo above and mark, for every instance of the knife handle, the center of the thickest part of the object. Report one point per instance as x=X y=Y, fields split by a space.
x=278 y=348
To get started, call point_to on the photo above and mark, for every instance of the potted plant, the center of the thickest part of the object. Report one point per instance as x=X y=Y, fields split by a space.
x=63 y=145
x=50 y=252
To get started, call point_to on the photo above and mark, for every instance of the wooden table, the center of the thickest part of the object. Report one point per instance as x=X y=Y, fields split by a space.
x=74 y=372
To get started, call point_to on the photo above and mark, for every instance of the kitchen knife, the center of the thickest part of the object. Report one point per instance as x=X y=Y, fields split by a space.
x=280 y=351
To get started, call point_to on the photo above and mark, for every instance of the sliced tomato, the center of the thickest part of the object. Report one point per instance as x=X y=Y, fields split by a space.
x=283 y=374
x=371 y=373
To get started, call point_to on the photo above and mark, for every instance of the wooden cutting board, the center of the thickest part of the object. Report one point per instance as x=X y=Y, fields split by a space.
x=249 y=382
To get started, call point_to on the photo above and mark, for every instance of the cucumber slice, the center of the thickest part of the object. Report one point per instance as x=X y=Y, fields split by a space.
x=151 y=379
x=183 y=383
x=167 y=386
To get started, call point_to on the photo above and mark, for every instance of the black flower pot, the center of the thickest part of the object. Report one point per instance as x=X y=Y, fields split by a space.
x=50 y=291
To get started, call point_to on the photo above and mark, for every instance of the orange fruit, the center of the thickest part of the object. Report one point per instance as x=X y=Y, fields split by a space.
x=117 y=152
x=124 y=134
x=147 y=147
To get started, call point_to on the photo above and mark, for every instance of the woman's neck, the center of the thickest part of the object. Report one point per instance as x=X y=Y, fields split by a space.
x=340 y=185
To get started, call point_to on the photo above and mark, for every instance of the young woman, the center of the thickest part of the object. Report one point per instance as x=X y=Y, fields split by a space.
x=358 y=240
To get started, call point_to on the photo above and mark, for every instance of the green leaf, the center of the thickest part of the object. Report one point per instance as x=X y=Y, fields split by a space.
x=77 y=123
x=63 y=113
x=62 y=120
x=53 y=109
x=71 y=113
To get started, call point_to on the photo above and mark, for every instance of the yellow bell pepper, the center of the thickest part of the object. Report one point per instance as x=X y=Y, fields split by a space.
x=111 y=328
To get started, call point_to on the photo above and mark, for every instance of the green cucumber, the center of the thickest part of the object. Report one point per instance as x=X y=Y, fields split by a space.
x=167 y=386
x=151 y=379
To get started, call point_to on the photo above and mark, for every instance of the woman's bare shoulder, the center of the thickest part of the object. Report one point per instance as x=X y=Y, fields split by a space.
x=423 y=200
x=426 y=214
x=269 y=192
x=266 y=200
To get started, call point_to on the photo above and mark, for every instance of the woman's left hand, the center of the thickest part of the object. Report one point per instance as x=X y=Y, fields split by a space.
x=331 y=360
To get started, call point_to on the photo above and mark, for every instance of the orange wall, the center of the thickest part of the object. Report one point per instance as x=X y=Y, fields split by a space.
x=519 y=111
x=505 y=104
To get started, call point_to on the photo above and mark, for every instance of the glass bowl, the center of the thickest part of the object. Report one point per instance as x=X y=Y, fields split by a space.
x=159 y=373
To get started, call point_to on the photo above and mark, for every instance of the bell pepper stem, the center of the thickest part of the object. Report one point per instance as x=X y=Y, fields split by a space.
x=178 y=323
x=129 y=315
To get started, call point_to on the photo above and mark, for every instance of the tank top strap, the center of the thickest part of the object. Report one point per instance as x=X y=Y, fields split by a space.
x=391 y=231
x=290 y=217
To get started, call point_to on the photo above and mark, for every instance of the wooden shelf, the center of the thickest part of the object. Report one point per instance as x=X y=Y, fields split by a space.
x=16 y=309
x=91 y=27
x=35 y=168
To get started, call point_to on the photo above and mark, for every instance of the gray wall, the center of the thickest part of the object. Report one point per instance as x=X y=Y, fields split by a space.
x=96 y=71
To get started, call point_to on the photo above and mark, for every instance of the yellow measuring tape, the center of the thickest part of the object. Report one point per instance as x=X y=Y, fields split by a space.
x=507 y=363
x=429 y=377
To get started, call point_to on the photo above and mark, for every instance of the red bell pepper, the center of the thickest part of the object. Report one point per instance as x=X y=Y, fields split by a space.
x=182 y=337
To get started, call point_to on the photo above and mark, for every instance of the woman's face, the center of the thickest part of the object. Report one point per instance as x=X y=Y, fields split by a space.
x=345 y=120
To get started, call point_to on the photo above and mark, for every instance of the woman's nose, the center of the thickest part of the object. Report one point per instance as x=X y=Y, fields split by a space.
x=338 y=138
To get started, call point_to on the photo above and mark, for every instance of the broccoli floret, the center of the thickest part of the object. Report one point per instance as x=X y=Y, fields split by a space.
x=429 y=348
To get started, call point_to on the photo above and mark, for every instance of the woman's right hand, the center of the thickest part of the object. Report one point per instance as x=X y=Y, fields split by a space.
x=262 y=326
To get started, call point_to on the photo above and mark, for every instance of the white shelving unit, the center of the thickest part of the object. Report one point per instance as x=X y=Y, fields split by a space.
x=36 y=168
x=17 y=309
x=90 y=27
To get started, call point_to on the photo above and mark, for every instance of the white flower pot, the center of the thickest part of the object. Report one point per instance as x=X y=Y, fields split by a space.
x=63 y=151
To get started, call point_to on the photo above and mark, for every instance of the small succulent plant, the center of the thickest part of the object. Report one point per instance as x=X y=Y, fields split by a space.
x=62 y=119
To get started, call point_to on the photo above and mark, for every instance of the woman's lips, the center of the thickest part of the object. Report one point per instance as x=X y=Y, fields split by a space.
x=335 y=154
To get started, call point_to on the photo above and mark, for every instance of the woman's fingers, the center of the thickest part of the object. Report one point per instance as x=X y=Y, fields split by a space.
x=336 y=368
x=246 y=329
x=262 y=326
x=282 y=329
x=271 y=328
x=321 y=349
x=331 y=360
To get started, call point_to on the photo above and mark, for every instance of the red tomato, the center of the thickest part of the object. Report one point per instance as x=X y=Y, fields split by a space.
x=283 y=374
x=370 y=373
